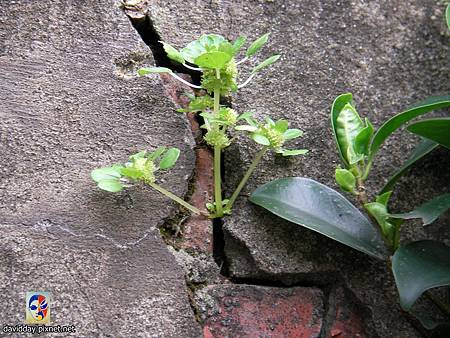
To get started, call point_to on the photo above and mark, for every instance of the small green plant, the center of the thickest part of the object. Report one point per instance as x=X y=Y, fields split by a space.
x=417 y=266
x=215 y=58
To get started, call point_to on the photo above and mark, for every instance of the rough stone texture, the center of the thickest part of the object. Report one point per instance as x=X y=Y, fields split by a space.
x=70 y=103
x=258 y=311
x=390 y=54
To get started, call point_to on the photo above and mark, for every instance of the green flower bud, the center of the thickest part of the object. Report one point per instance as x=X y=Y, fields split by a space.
x=146 y=167
x=228 y=115
x=274 y=136
x=345 y=179
x=217 y=138
x=226 y=83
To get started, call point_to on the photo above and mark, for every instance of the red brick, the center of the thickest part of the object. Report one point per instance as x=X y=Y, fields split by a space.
x=257 y=311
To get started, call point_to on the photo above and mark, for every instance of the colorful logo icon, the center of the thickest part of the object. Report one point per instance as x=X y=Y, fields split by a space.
x=37 y=308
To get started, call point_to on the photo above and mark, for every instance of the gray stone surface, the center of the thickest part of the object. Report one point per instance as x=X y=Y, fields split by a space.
x=70 y=103
x=389 y=55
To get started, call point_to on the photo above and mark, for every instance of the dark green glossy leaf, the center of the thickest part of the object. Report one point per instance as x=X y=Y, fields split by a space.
x=422 y=149
x=256 y=46
x=172 y=53
x=317 y=207
x=429 y=211
x=265 y=63
x=110 y=185
x=107 y=173
x=420 y=266
x=170 y=158
x=294 y=152
x=437 y=130
x=398 y=120
x=213 y=60
x=338 y=105
x=152 y=70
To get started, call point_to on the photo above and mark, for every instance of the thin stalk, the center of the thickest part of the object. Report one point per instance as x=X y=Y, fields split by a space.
x=184 y=81
x=193 y=68
x=176 y=198
x=247 y=175
x=242 y=61
x=217 y=158
x=246 y=81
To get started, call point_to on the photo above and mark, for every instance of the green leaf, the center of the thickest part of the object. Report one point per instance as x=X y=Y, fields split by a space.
x=246 y=128
x=173 y=53
x=363 y=138
x=256 y=46
x=106 y=173
x=437 y=130
x=213 y=60
x=447 y=16
x=389 y=226
x=398 y=120
x=420 y=266
x=339 y=104
x=265 y=63
x=110 y=185
x=245 y=115
x=429 y=211
x=317 y=207
x=294 y=152
x=384 y=198
x=261 y=139
x=348 y=126
x=152 y=70
x=282 y=126
x=140 y=154
x=156 y=153
x=345 y=179
x=292 y=133
x=202 y=45
x=132 y=173
x=237 y=45
x=170 y=158
x=270 y=122
x=425 y=147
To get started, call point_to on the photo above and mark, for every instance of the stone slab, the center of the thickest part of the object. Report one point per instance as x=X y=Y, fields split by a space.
x=71 y=102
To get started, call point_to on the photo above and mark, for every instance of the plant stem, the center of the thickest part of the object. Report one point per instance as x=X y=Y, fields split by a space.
x=176 y=198
x=247 y=175
x=362 y=196
x=217 y=157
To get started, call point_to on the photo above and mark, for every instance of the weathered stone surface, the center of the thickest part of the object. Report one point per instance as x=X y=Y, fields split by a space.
x=389 y=55
x=71 y=102
x=258 y=311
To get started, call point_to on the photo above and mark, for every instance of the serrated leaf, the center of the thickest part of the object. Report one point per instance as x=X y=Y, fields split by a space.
x=105 y=173
x=256 y=46
x=399 y=120
x=173 y=53
x=317 y=207
x=111 y=185
x=156 y=153
x=153 y=70
x=261 y=139
x=265 y=63
x=213 y=60
x=422 y=149
x=237 y=45
x=170 y=158
x=294 y=152
x=246 y=128
x=282 y=125
x=429 y=211
x=420 y=266
x=292 y=133
x=202 y=45
x=437 y=130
